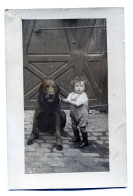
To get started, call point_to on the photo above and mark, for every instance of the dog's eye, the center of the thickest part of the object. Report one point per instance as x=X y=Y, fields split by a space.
x=47 y=86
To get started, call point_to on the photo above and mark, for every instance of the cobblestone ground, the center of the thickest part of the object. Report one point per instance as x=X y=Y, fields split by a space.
x=42 y=156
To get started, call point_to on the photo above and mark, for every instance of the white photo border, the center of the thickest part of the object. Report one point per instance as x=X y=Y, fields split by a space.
x=117 y=176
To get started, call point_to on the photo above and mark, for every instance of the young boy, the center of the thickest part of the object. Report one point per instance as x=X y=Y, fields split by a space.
x=78 y=101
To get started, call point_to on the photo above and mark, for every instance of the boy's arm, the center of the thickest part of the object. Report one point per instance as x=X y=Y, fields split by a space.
x=83 y=99
x=64 y=100
x=67 y=99
x=73 y=103
x=77 y=103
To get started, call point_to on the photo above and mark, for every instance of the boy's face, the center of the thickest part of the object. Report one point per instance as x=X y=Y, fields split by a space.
x=79 y=87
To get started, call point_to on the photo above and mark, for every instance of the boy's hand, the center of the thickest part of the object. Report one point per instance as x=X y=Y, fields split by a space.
x=64 y=100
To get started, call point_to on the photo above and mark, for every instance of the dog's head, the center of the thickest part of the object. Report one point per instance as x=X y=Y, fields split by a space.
x=50 y=90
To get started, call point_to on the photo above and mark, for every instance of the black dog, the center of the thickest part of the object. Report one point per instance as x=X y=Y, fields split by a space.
x=48 y=115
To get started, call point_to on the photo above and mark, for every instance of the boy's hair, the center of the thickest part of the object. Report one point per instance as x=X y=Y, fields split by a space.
x=79 y=79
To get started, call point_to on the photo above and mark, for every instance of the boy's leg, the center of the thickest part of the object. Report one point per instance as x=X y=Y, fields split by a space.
x=85 y=137
x=76 y=137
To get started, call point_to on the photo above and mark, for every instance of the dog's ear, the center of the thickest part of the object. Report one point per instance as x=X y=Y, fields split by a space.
x=42 y=85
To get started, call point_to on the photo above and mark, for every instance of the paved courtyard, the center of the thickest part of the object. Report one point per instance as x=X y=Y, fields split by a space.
x=42 y=156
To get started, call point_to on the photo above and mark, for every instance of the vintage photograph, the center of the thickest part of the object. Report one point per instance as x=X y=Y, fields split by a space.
x=66 y=111
x=65 y=85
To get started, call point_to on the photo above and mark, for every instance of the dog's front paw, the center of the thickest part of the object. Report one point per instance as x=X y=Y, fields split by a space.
x=30 y=141
x=59 y=147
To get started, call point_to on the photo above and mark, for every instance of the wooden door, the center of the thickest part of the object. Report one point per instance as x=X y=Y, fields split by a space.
x=61 y=50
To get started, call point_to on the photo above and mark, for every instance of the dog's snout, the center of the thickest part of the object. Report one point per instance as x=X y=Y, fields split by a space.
x=51 y=95
x=50 y=91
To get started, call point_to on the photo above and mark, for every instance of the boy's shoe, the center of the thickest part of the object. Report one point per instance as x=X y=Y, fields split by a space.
x=76 y=137
x=85 y=140
x=83 y=144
